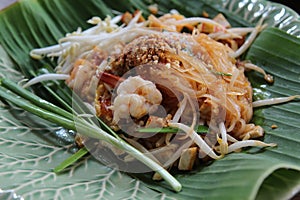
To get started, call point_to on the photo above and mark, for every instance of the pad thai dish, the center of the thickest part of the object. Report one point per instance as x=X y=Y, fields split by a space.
x=159 y=81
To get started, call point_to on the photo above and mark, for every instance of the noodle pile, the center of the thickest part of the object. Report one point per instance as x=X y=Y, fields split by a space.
x=174 y=72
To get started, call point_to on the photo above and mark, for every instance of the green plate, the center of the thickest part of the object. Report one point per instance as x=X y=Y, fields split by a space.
x=30 y=147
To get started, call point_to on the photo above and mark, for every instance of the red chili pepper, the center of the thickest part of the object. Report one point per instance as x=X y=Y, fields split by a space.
x=110 y=79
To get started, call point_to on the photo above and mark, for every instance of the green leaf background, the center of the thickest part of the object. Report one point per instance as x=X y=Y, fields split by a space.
x=30 y=147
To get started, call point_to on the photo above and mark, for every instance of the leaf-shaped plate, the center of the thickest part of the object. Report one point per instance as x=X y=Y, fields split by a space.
x=30 y=147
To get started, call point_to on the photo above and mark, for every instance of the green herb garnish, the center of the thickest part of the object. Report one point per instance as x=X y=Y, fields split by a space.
x=70 y=160
x=200 y=129
x=222 y=73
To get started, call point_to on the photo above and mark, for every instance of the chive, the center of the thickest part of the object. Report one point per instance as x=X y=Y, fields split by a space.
x=200 y=129
x=71 y=160
x=158 y=130
x=34 y=99
x=45 y=114
x=58 y=98
x=222 y=73
x=39 y=101
x=63 y=97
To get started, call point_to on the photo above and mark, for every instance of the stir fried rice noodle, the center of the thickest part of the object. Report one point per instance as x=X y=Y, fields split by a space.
x=167 y=71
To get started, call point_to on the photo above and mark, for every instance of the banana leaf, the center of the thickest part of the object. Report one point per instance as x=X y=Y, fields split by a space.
x=30 y=147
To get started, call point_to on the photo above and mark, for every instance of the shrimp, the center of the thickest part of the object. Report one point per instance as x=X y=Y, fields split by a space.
x=136 y=97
